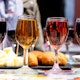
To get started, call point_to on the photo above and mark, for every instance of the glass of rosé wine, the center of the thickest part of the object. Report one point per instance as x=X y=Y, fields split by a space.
x=57 y=33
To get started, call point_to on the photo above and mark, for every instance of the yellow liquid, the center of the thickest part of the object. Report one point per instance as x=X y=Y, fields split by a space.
x=26 y=32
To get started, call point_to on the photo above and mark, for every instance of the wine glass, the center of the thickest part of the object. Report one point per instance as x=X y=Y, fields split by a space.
x=35 y=35
x=46 y=42
x=11 y=38
x=26 y=35
x=68 y=43
x=77 y=30
x=2 y=31
x=57 y=33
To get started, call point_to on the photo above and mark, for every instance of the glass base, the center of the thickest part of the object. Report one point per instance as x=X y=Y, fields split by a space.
x=57 y=70
x=26 y=70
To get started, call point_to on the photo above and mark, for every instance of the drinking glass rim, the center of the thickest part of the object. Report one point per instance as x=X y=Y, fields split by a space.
x=26 y=17
x=77 y=19
x=57 y=18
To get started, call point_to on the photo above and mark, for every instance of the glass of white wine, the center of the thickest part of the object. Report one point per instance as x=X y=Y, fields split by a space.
x=35 y=35
x=26 y=35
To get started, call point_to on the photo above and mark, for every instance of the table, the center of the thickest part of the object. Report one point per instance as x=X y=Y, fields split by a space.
x=17 y=74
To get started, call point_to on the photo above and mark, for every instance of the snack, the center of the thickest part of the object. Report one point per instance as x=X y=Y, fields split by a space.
x=62 y=59
x=8 y=58
x=46 y=58
x=14 y=61
x=35 y=58
x=77 y=78
x=32 y=59
x=7 y=50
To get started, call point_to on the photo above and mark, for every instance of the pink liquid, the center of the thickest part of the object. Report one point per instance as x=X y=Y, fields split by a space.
x=57 y=32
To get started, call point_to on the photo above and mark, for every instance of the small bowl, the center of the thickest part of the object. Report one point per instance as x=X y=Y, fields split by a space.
x=76 y=58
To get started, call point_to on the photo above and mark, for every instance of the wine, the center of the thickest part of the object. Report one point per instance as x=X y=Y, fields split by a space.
x=26 y=32
x=77 y=32
x=11 y=35
x=35 y=32
x=56 y=32
x=2 y=30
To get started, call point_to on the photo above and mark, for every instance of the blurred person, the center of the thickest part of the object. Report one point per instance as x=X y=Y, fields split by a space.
x=31 y=7
x=5 y=13
x=69 y=11
x=10 y=10
x=50 y=8
x=16 y=9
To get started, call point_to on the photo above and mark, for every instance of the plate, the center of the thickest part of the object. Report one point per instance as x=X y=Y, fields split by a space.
x=10 y=67
x=66 y=67
x=76 y=58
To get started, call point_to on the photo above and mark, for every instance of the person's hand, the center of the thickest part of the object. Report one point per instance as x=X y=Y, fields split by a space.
x=10 y=12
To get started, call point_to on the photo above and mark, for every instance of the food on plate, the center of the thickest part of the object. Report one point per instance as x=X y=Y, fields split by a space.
x=35 y=58
x=9 y=58
x=7 y=50
x=32 y=59
x=77 y=78
x=46 y=58
x=62 y=59
x=14 y=61
x=76 y=58
x=2 y=58
x=37 y=53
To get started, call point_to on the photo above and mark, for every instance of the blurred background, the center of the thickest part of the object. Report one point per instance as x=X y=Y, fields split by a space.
x=62 y=8
x=59 y=8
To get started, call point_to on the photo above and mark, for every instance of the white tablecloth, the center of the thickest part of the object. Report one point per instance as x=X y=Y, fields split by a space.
x=14 y=74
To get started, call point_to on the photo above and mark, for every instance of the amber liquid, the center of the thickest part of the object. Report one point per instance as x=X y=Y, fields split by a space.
x=26 y=32
x=57 y=32
x=35 y=33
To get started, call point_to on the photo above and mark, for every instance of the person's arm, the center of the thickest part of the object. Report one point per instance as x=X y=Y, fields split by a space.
x=40 y=43
x=2 y=10
x=11 y=8
x=19 y=7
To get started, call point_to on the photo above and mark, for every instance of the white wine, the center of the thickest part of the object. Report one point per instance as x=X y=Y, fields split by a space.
x=26 y=32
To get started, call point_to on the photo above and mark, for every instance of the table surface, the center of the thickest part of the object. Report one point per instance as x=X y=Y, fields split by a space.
x=24 y=74
x=20 y=74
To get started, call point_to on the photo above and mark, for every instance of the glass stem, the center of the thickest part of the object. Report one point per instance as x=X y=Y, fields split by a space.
x=13 y=46
x=33 y=47
x=2 y=46
x=56 y=64
x=17 y=49
x=56 y=54
x=25 y=57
